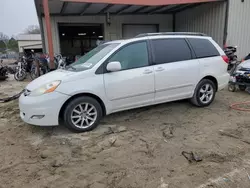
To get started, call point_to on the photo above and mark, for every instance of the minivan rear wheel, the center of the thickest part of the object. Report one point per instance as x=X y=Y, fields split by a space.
x=82 y=114
x=204 y=93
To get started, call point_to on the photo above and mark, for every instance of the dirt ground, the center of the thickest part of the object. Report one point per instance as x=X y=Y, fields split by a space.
x=134 y=149
x=8 y=61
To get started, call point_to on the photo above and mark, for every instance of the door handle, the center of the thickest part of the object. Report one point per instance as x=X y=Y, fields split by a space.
x=159 y=69
x=147 y=71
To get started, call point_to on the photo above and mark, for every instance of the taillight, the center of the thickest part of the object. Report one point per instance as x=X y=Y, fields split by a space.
x=225 y=58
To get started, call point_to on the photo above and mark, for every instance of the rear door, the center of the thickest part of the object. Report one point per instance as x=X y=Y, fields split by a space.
x=176 y=69
x=211 y=62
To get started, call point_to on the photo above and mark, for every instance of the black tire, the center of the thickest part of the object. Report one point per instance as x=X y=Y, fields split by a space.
x=72 y=105
x=231 y=87
x=242 y=87
x=34 y=73
x=20 y=76
x=195 y=100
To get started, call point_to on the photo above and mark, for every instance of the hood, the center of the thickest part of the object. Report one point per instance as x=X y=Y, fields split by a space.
x=245 y=64
x=49 y=77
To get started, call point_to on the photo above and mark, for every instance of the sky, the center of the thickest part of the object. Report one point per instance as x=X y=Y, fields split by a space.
x=16 y=16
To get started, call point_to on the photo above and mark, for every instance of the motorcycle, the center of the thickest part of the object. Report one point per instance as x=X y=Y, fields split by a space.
x=21 y=72
x=58 y=60
x=3 y=71
x=39 y=67
x=24 y=66
x=43 y=64
x=230 y=52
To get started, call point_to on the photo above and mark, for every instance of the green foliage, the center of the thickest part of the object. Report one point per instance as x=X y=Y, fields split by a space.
x=2 y=46
x=3 y=41
x=13 y=45
x=6 y=43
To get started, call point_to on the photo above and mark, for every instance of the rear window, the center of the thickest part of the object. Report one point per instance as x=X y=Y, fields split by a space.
x=170 y=50
x=203 y=48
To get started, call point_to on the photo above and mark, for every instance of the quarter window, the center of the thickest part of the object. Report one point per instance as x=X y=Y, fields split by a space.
x=170 y=50
x=132 y=56
x=203 y=48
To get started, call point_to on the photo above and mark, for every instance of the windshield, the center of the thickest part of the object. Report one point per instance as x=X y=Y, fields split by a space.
x=92 y=58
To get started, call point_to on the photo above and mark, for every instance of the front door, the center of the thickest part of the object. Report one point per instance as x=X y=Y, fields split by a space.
x=133 y=86
x=176 y=72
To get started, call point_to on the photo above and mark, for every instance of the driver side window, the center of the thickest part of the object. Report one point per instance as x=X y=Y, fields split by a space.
x=132 y=56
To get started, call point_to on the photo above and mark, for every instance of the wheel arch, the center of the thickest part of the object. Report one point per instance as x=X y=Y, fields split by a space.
x=82 y=95
x=213 y=79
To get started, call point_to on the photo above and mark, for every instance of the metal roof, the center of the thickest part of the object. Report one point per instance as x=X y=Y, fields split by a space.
x=29 y=37
x=142 y=2
x=117 y=7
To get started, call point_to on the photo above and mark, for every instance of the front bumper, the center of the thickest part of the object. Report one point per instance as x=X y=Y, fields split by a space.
x=42 y=110
x=240 y=78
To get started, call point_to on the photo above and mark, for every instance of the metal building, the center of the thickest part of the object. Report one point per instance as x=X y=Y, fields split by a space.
x=28 y=42
x=76 y=26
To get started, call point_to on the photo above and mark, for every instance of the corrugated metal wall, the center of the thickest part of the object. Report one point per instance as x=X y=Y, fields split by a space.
x=239 y=26
x=208 y=18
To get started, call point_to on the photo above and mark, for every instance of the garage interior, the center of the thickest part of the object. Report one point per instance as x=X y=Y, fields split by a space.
x=73 y=22
x=78 y=39
x=34 y=48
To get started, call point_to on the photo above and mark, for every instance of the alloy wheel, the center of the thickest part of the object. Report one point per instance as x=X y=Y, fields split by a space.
x=84 y=115
x=206 y=93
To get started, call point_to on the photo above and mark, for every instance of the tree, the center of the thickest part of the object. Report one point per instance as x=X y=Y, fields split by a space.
x=2 y=46
x=32 y=29
x=13 y=44
x=3 y=42
x=3 y=37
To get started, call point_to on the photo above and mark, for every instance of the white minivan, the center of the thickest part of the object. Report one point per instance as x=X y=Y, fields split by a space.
x=119 y=75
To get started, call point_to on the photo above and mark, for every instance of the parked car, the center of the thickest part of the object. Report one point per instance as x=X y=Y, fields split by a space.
x=125 y=74
x=246 y=58
x=240 y=78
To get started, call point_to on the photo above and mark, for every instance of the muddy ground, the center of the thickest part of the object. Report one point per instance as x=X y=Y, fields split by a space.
x=134 y=149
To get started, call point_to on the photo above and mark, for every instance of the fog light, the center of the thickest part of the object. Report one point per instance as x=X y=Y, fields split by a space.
x=37 y=117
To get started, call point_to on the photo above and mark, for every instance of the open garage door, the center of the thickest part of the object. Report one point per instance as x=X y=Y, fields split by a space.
x=131 y=30
x=78 y=39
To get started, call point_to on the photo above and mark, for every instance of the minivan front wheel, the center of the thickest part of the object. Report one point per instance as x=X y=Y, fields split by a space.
x=82 y=114
x=204 y=93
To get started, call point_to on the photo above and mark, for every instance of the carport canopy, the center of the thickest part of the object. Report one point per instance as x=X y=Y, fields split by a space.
x=102 y=7
x=118 y=7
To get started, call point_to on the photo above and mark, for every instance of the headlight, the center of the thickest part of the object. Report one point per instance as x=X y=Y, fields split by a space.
x=46 y=88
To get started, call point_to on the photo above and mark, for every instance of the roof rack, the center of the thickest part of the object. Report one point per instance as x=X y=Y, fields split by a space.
x=170 y=33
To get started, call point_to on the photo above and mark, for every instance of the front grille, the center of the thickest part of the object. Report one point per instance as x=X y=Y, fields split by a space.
x=26 y=92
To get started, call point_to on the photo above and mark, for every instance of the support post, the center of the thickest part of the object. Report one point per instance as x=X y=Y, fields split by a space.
x=49 y=33
x=174 y=22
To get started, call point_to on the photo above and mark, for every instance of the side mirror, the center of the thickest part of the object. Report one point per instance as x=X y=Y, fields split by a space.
x=114 y=66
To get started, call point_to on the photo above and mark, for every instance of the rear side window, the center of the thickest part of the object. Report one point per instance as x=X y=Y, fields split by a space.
x=170 y=50
x=203 y=48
